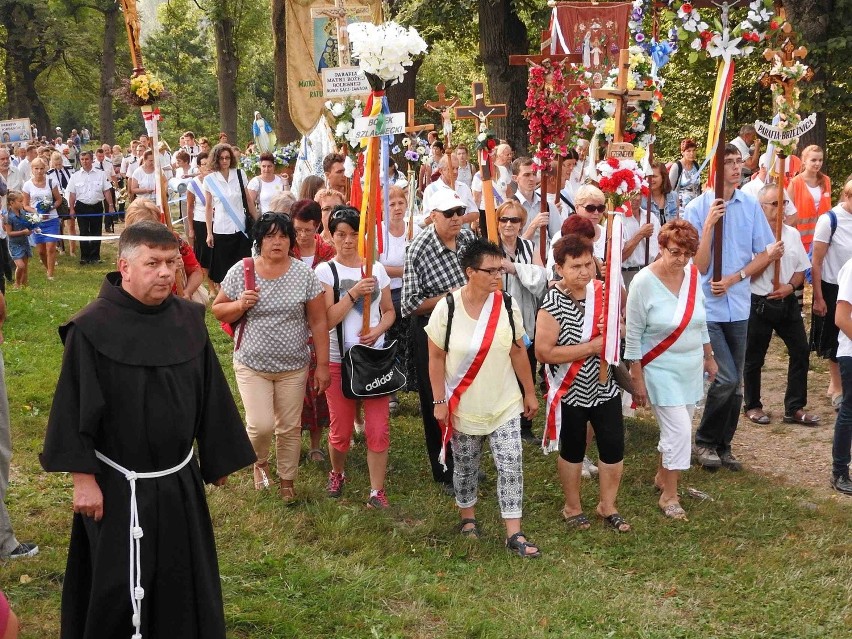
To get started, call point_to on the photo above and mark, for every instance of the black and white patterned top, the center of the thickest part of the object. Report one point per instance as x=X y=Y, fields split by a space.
x=585 y=391
x=276 y=330
x=431 y=268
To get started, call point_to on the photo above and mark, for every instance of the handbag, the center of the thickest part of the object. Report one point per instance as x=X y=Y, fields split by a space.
x=236 y=329
x=366 y=371
x=620 y=372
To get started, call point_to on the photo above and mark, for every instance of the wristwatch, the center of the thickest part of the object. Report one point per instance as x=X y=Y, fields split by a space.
x=742 y=275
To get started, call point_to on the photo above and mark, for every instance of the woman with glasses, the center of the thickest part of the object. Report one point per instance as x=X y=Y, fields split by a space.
x=392 y=258
x=313 y=251
x=669 y=349
x=476 y=359
x=568 y=339
x=525 y=279
x=345 y=307
x=271 y=362
x=224 y=194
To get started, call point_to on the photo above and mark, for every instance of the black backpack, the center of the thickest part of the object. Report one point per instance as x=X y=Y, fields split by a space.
x=451 y=308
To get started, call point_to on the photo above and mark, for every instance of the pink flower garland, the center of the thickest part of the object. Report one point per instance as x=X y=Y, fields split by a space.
x=549 y=109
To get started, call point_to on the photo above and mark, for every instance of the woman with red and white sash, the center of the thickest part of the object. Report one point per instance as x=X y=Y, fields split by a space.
x=669 y=347
x=475 y=385
x=568 y=338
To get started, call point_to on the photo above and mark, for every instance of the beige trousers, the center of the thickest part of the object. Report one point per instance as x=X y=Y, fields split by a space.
x=273 y=403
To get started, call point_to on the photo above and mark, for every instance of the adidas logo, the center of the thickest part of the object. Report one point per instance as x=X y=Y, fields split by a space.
x=380 y=381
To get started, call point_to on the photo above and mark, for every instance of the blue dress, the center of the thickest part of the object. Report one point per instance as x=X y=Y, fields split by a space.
x=19 y=246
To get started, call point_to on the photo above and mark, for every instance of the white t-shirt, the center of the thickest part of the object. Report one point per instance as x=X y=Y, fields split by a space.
x=230 y=189
x=41 y=194
x=166 y=165
x=268 y=190
x=353 y=322
x=394 y=253
x=742 y=147
x=794 y=260
x=631 y=227
x=839 y=247
x=844 y=294
x=146 y=181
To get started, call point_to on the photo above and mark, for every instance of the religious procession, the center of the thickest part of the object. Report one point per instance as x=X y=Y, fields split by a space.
x=281 y=368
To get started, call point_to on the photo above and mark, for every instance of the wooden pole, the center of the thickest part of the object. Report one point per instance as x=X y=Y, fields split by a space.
x=779 y=215
x=650 y=195
x=720 y=195
x=543 y=207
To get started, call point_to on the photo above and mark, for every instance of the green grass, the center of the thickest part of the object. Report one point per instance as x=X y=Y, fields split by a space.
x=762 y=560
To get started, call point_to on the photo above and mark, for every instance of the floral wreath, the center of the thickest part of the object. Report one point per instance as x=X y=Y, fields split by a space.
x=550 y=109
x=415 y=150
x=284 y=156
x=637 y=129
x=723 y=40
x=787 y=109
x=141 y=90
x=620 y=180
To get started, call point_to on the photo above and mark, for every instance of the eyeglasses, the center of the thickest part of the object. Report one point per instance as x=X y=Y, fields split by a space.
x=772 y=204
x=676 y=253
x=734 y=162
x=491 y=271
x=224 y=157
x=458 y=211
x=593 y=208
x=509 y=220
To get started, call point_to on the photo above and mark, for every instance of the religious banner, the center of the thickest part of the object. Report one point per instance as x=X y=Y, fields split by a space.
x=596 y=31
x=314 y=29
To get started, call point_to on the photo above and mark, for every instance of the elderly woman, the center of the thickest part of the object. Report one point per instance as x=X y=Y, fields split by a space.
x=684 y=177
x=313 y=251
x=41 y=196
x=143 y=182
x=479 y=395
x=271 y=361
x=525 y=279
x=568 y=338
x=345 y=307
x=392 y=258
x=669 y=349
x=264 y=187
x=282 y=202
x=225 y=193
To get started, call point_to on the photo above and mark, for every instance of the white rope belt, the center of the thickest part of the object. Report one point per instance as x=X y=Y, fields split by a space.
x=137 y=593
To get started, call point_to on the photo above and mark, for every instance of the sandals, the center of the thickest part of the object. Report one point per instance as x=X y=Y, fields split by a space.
x=801 y=417
x=616 y=522
x=758 y=416
x=316 y=455
x=473 y=532
x=287 y=493
x=576 y=522
x=674 y=511
x=261 y=476
x=515 y=545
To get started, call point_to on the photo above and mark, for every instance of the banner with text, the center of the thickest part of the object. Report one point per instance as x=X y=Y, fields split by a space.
x=14 y=131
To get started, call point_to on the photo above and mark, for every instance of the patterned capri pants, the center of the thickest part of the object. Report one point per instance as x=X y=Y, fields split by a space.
x=506 y=449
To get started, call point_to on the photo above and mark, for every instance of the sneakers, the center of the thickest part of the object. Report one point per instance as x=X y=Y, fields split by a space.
x=378 y=500
x=841 y=484
x=707 y=457
x=730 y=462
x=589 y=469
x=335 y=484
x=22 y=551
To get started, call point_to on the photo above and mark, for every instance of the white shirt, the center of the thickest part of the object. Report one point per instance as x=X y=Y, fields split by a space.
x=465 y=174
x=394 y=253
x=24 y=169
x=146 y=181
x=462 y=189
x=230 y=189
x=199 y=208
x=839 y=247
x=105 y=166
x=267 y=190
x=88 y=186
x=533 y=208
x=129 y=165
x=844 y=294
x=631 y=227
x=794 y=260
x=166 y=164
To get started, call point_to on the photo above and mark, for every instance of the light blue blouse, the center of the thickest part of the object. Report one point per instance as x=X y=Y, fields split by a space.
x=676 y=377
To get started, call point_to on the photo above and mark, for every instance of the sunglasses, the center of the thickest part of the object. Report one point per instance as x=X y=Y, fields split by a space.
x=458 y=211
x=592 y=208
x=345 y=213
x=282 y=219
x=509 y=220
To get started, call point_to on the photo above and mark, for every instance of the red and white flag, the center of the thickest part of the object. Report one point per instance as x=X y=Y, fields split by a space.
x=612 y=313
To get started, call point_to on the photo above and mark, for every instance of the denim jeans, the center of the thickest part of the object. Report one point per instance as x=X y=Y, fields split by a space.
x=724 y=397
x=841 y=450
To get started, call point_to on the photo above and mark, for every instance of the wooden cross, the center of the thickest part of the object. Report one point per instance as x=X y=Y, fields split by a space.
x=621 y=94
x=443 y=105
x=412 y=130
x=482 y=111
x=340 y=14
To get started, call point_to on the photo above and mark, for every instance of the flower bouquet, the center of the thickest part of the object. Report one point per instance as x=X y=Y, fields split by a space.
x=620 y=180
x=551 y=109
x=383 y=51
x=415 y=150
x=342 y=114
x=141 y=90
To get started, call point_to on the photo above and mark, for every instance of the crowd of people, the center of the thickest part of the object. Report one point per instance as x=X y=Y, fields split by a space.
x=477 y=328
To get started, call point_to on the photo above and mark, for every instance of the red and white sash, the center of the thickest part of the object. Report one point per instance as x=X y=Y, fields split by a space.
x=682 y=315
x=457 y=383
x=559 y=382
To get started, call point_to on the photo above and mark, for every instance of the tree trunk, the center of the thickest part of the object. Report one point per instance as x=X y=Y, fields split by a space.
x=105 y=115
x=503 y=33
x=227 y=65
x=400 y=94
x=36 y=110
x=284 y=127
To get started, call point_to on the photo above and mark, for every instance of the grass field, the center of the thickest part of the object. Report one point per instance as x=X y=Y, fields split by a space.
x=761 y=560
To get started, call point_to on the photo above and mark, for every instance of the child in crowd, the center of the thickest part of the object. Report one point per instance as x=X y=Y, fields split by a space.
x=19 y=228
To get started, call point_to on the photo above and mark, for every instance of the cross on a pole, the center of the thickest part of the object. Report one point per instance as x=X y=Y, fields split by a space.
x=621 y=94
x=413 y=128
x=788 y=55
x=480 y=109
x=443 y=105
x=340 y=14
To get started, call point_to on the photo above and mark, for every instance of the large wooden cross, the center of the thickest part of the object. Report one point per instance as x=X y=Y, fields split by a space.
x=340 y=14
x=413 y=128
x=482 y=111
x=621 y=94
x=442 y=106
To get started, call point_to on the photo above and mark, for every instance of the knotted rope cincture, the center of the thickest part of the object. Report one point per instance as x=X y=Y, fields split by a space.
x=137 y=593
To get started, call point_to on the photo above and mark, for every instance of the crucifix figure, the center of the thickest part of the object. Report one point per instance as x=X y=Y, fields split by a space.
x=134 y=34
x=442 y=106
x=481 y=110
x=340 y=14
